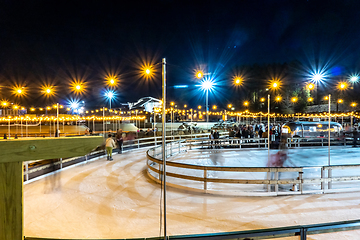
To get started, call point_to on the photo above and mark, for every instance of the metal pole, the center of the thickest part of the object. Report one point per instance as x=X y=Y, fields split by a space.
x=164 y=137
x=103 y=121
x=9 y=130
x=329 y=129
x=21 y=127
x=57 y=119
x=154 y=127
x=191 y=122
x=268 y=126
x=93 y=124
x=207 y=107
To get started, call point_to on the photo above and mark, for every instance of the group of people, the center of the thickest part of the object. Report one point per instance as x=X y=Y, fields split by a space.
x=110 y=143
x=255 y=131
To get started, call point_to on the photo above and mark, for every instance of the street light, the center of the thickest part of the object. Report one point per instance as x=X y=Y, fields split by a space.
x=317 y=78
x=77 y=86
x=230 y=106
x=238 y=81
x=207 y=85
x=342 y=86
x=111 y=80
x=294 y=99
x=199 y=74
x=310 y=86
x=214 y=107
x=310 y=99
x=278 y=98
x=354 y=78
x=110 y=95
x=246 y=103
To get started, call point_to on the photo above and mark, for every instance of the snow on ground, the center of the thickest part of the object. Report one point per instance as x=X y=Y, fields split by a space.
x=103 y=199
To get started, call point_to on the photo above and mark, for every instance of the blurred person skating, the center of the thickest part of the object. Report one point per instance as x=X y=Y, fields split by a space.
x=211 y=137
x=119 y=139
x=109 y=144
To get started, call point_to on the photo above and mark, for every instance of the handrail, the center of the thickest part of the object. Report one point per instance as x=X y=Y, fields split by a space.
x=154 y=171
x=298 y=230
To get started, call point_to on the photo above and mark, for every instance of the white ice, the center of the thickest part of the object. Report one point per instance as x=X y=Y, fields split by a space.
x=103 y=199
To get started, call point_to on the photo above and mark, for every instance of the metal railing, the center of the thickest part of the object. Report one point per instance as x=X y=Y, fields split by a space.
x=301 y=231
x=298 y=180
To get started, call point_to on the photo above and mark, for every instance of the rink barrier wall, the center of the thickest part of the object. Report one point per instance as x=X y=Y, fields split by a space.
x=36 y=172
x=272 y=182
x=300 y=231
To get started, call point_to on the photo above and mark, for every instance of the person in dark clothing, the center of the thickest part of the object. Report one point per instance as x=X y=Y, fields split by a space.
x=119 y=140
x=216 y=136
x=231 y=135
x=260 y=133
x=355 y=137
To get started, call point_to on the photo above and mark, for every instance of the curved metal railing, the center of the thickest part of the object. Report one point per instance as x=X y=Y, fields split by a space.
x=251 y=181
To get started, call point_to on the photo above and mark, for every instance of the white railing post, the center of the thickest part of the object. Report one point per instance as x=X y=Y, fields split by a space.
x=329 y=178
x=322 y=178
x=268 y=175
x=138 y=143
x=171 y=150
x=276 y=185
x=301 y=182
x=61 y=163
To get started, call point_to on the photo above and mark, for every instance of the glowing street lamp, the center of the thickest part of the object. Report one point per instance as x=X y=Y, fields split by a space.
x=353 y=104
x=340 y=101
x=111 y=81
x=199 y=74
x=294 y=99
x=172 y=103
x=310 y=86
x=342 y=86
x=246 y=103
x=207 y=85
x=230 y=106
x=262 y=99
x=238 y=80
x=278 y=98
x=19 y=91
x=354 y=78
x=214 y=107
x=310 y=99
x=77 y=87
x=317 y=78
x=110 y=95
x=326 y=98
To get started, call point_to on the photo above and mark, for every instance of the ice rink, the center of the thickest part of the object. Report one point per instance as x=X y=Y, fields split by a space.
x=103 y=199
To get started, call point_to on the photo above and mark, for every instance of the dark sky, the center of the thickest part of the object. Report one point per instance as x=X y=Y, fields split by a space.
x=55 y=41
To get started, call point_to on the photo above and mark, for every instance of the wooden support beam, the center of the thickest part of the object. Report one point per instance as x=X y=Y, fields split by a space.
x=11 y=201
x=12 y=154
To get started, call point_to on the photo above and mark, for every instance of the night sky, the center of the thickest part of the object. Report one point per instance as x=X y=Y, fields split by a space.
x=52 y=42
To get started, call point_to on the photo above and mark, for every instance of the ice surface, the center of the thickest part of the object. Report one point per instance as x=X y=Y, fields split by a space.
x=103 y=199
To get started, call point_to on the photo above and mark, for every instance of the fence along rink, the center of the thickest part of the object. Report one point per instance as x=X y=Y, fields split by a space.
x=253 y=182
